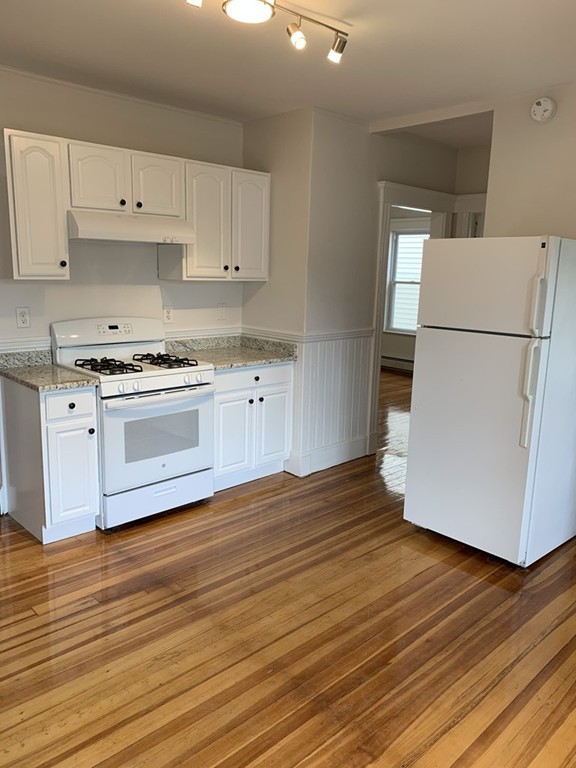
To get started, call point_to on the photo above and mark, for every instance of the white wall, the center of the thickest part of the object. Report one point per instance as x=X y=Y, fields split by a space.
x=110 y=278
x=531 y=188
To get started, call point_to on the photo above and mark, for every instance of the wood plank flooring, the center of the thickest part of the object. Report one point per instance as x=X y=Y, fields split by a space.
x=290 y=622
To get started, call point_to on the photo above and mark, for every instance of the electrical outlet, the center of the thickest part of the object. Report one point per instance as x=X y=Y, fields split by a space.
x=23 y=317
x=222 y=312
x=168 y=315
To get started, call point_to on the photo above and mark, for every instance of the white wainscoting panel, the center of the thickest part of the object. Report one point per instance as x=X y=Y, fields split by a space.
x=331 y=402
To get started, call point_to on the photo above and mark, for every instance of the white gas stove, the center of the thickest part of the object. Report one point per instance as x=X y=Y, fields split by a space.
x=156 y=414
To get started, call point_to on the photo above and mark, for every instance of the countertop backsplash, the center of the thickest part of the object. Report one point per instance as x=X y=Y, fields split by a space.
x=29 y=357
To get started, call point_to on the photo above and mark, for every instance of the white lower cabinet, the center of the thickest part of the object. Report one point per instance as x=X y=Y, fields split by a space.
x=253 y=416
x=51 y=460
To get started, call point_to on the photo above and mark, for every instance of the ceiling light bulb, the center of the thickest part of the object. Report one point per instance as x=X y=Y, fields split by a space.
x=335 y=53
x=249 y=11
x=297 y=37
x=195 y=3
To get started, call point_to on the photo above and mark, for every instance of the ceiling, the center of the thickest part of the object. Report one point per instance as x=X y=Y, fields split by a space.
x=401 y=59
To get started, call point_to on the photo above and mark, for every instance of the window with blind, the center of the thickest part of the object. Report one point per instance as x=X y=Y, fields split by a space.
x=405 y=266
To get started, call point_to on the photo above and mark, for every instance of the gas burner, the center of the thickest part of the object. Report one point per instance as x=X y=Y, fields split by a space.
x=107 y=366
x=163 y=360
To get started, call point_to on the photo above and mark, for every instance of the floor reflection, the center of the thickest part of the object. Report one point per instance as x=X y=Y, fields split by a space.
x=393 y=423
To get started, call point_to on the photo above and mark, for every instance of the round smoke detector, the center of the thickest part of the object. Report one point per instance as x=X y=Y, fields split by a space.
x=543 y=109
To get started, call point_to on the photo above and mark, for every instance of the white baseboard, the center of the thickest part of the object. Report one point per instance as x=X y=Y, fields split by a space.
x=329 y=456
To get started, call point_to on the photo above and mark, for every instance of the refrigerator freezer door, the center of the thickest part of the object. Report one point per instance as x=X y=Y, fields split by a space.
x=476 y=399
x=498 y=285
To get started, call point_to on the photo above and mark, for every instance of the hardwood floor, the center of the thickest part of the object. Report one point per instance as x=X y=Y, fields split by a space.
x=288 y=622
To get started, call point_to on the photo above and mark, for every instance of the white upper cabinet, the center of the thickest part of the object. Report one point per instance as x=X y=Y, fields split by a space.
x=229 y=210
x=113 y=179
x=158 y=185
x=100 y=177
x=208 y=210
x=36 y=167
x=250 y=225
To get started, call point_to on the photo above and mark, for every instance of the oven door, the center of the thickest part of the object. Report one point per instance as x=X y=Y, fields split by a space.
x=156 y=436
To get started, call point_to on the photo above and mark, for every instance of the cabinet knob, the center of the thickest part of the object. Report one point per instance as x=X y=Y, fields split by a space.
x=63 y=263
x=226 y=267
x=261 y=399
x=251 y=401
x=122 y=202
x=71 y=406
x=138 y=204
x=236 y=268
x=91 y=431
x=256 y=378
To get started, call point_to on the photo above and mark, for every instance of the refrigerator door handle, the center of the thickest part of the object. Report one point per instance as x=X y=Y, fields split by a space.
x=537 y=314
x=528 y=391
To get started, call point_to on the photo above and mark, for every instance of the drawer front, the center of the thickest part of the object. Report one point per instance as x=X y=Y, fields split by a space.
x=70 y=404
x=248 y=378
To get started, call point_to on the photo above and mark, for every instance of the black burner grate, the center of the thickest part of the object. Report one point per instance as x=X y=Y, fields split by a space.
x=165 y=361
x=107 y=366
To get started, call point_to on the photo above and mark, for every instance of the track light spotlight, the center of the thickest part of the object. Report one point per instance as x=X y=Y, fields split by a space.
x=249 y=11
x=195 y=3
x=335 y=53
x=297 y=37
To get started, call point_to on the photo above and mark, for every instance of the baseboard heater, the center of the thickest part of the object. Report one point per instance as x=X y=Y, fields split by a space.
x=397 y=363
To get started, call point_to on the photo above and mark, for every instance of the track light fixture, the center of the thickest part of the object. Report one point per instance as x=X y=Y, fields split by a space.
x=249 y=11
x=335 y=53
x=297 y=37
x=259 y=11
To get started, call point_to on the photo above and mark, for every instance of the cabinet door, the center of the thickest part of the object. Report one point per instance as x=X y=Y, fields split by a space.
x=234 y=425
x=37 y=212
x=100 y=177
x=158 y=185
x=208 y=209
x=250 y=225
x=273 y=424
x=72 y=470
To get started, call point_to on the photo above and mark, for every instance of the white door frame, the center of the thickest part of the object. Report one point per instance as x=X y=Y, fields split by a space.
x=391 y=194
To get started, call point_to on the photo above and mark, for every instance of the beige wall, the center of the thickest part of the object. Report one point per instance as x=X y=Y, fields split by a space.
x=282 y=145
x=472 y=168
x=531 y=188
x=104 y=277
x=343 y=226
x=415 y=161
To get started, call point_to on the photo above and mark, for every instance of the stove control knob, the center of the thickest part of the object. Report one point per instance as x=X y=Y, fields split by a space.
x=199 y=377
x=121 y=388
x=136 y=386
x=187 y=379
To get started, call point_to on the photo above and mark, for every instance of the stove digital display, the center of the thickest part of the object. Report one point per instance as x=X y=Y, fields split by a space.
x=114 y=327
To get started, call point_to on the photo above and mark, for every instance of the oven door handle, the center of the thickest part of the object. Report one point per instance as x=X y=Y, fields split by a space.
x=161 y=398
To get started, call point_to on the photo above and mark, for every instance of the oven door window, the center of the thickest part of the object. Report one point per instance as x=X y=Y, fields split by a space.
x=157 y=436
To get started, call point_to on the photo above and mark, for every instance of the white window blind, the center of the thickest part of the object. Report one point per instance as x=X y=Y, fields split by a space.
x=404 y=280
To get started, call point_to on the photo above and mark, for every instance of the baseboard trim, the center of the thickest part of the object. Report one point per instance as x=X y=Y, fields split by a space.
x=324 y=458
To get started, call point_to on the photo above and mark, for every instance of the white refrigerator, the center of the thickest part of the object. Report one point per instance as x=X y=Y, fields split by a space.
x=492 y=440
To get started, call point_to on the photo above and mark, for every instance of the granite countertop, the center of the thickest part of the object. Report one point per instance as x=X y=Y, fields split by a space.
x=34 y=369
x=47 y=378
x=234 y=352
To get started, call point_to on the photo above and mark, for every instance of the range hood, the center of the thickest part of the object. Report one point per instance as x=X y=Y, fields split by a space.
x=126 y=227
